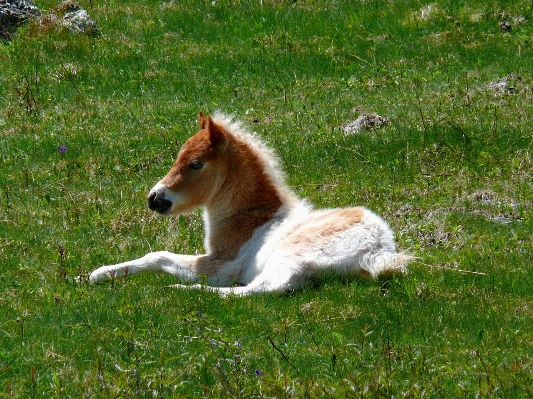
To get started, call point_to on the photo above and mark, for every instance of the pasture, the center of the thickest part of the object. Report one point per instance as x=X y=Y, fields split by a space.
x=89 y=124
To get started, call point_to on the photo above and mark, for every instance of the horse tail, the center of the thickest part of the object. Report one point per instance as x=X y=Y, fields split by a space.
x=387 y=263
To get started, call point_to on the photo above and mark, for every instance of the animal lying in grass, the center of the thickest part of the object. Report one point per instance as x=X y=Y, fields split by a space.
x=259 y=237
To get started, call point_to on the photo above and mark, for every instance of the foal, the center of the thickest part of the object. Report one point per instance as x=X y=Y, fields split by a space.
x=258 y=236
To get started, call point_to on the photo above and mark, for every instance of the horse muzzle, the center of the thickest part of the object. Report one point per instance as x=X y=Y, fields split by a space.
x=158 y=202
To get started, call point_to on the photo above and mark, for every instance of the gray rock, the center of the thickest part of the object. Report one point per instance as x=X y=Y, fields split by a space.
x=364 y=122
x=13 y=13
x=504 y=85
x=79 y=21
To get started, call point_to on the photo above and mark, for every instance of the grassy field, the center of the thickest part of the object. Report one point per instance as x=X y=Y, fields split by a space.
x=89 y=124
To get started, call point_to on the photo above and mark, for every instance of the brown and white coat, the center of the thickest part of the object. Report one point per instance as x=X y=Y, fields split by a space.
x=259 y=236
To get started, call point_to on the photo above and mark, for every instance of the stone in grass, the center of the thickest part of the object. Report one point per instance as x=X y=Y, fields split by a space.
x=505 y=26
x=79 y=21
x=76 y=19
x=503 y=85
x=364 y=122
x=66 y=7
x=13 y=13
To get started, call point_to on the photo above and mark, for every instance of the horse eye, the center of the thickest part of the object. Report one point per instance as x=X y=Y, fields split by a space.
x=196 y=165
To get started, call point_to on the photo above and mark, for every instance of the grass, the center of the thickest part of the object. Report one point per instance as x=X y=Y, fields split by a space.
x=451 y=172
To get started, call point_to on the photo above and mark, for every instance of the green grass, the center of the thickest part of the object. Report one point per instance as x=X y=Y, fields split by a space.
x=451 y=172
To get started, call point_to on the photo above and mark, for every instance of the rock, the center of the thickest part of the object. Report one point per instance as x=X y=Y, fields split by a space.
x=521 y=20
x=504 y=85
x=79 y=21
x=505 y=26
x=364 y=122
x=13 y=13
x=66 y=7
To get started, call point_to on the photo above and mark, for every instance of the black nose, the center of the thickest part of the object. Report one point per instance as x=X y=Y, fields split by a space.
x=158 y=203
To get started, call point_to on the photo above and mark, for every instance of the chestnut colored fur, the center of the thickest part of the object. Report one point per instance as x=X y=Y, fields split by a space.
x=259 y=236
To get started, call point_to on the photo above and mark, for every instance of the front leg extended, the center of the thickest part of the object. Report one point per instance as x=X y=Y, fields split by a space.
x=183 y=267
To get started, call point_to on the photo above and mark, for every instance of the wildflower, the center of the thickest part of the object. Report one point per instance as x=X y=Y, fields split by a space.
x=62 y=149
x=258 y=372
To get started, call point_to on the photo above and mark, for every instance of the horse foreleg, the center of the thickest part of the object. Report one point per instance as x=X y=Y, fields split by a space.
x=279 y=276
x=181 y=266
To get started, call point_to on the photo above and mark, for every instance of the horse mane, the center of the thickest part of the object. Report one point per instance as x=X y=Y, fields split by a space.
x=267 y=157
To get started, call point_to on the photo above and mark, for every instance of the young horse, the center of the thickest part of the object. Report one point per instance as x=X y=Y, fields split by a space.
x=259 y=237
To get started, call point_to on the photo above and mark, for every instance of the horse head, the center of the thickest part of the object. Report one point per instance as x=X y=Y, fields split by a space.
x=197 y=173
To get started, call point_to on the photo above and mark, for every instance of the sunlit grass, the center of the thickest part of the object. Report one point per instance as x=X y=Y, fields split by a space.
x=451 y=172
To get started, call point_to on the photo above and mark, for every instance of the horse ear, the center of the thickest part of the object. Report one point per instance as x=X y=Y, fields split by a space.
x=216 y=133
x=202 y=120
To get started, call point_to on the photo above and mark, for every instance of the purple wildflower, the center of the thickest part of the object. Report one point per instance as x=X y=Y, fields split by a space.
x=258 y=372
x=62 y=149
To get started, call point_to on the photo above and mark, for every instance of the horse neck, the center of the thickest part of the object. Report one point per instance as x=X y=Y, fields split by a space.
x=247 y=200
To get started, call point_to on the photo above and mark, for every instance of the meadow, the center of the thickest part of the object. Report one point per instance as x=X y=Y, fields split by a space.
x=89 y=124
